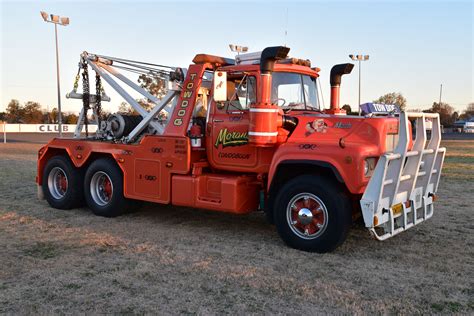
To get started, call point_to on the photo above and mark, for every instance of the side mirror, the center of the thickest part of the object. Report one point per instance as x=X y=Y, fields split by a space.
x=220 y=86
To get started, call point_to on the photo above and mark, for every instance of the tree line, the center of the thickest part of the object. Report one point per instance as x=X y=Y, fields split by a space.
x=31 y=112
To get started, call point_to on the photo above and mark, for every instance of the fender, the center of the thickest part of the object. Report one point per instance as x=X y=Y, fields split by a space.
x=79 y=155
x=346 y=170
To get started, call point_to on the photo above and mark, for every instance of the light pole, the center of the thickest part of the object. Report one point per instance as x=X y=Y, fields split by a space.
x=359 y=58
x=56 y=19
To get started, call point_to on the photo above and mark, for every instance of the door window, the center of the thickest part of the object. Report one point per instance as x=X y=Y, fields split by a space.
x=241 y=92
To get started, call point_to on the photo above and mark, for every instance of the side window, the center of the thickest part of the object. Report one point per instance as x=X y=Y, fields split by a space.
x=241 y=92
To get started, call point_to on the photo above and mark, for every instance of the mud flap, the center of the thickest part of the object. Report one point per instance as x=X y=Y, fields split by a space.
x=401 y=191
x=39 y=192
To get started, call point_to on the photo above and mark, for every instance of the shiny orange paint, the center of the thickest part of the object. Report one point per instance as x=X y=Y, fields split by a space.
x=233 y=170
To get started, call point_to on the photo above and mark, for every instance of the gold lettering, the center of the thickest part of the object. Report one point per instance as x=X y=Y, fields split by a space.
x=184 y=104
x=231 y=138
x=187 y=94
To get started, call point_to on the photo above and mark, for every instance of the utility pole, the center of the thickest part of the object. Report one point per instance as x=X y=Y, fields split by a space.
x=64 y=21
x=440 y=93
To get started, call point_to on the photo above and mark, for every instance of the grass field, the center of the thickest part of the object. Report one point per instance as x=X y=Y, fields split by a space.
x=172 y=260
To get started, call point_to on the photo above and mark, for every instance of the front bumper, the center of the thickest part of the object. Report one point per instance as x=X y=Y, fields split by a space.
x=402 y=188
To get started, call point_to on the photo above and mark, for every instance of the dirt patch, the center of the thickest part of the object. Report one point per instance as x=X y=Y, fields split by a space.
x=171 y=260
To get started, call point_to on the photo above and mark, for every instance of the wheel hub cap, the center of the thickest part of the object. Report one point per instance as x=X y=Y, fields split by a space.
x=57 y=183
x=307 y=215
x=101 y=188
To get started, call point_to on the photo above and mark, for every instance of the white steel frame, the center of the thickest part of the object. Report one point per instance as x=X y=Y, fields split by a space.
x=406 y=178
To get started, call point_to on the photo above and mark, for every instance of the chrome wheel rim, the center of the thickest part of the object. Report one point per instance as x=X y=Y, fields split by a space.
x=101 y=188
x=57 y=183
x=307 y=216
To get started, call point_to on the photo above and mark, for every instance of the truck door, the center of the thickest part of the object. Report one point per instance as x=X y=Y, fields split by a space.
x=227 y=140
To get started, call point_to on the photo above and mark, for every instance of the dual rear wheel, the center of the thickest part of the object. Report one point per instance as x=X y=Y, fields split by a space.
x=101 y=187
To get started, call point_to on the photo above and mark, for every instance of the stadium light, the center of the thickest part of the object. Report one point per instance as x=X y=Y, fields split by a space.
x=238 y=49
x=64 y=21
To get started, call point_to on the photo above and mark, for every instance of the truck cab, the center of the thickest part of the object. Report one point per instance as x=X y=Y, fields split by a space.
x=251 y=134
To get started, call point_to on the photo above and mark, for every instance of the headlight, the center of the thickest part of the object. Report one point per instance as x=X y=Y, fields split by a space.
x=369 y=166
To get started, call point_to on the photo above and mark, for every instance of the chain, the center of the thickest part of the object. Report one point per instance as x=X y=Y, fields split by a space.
x=85 y=93
x=76 y=80
x=98 y=92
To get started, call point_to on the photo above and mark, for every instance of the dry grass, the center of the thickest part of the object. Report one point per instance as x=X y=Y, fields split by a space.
x=172 y=260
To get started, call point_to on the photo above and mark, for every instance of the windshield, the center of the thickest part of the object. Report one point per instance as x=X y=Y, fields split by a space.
x=294 y=91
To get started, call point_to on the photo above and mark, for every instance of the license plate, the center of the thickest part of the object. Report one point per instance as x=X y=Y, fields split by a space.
x=397 y=209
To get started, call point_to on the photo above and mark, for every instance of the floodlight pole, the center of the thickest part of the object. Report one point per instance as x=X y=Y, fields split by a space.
x=359 y=58
x=64 y=21
x=59 y=86
x=359 y=84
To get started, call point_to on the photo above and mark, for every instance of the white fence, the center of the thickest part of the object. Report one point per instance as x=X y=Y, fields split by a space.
x=39 y=129
x=42 y=128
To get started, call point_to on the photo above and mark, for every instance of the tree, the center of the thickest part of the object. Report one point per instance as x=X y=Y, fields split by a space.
x=14 y=112
x=32 y=113
x=393 y=98
x=154 y=85
x=125 y=108
x=445 y=112
x=347 y=108
x=70 y=118
x=455 y=116
x=3 y=116
x=54 y=115
x=469 y=111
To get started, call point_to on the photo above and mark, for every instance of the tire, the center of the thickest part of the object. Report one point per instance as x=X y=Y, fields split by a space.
x=62 y=183
x=312 y=213
x=103 y=188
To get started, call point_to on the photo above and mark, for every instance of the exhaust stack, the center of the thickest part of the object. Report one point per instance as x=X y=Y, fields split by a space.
x=337 y=72
x=265 y=117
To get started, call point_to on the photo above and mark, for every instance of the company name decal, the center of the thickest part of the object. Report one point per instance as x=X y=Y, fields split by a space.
x=186 y=95
x=226 y=138
x=342 y=125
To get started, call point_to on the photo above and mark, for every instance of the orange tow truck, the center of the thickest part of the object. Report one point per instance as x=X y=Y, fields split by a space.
x=242 y=135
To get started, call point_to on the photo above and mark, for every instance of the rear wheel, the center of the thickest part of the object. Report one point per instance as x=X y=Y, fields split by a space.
x=103 y=188
x=62 y=183
x=312 y=214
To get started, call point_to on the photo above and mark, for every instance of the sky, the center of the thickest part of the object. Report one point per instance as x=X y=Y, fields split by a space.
x=414 y=46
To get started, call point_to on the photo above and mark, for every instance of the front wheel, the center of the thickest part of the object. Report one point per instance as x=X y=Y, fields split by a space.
x=312 y=214
x=103 y=188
